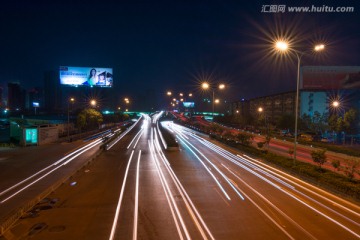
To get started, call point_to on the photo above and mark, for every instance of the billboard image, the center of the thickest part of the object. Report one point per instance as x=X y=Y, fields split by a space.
x=330 y=77
x=86 y=76
x=189 y=104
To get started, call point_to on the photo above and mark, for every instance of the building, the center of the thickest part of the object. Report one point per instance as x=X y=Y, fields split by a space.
x=52 y=92
x=16 y=97
x=322 y=85
x=273 y=106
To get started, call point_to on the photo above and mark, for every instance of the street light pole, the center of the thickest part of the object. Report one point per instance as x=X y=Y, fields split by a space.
x=68 y=116
x=213 y=103
x=282 y=46
x=297 y=104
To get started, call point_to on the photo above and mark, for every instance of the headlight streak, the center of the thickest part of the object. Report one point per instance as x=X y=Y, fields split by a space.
x=299 y=200
x=217 y=169
x=117 y=212
x=136 y=209
x=138 y=139
x=123 y=134
x=140 y=131
x=209 y=171
x=161 y=136
x=246 y=168
x=235 y=159
x=272 y=205
x=74 y=152
x=318 y=195
x=168 y=194
x=310 y=186
x=189 y=204
x=84 y=149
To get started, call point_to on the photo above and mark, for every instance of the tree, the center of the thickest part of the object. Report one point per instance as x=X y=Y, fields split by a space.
x=336 y=164
x=319 y=157
x=351 y=121
x=89 y=119
x=350 y=167
x=244 y=138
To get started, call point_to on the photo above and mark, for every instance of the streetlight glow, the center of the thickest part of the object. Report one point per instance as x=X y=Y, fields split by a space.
x=319 y=47
x=168 y=93
x=335 y=104
x=217 y=100
x=260 y=109
x=93 y=102
x=221 y=86
x=281 y=45
x=205 y=85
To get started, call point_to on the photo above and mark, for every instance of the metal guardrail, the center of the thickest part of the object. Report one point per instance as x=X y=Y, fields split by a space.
x=14 y=217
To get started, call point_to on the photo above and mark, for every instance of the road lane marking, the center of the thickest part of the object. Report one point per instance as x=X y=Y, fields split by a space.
x=188 y=203
x=43 y=176
x=168 y=194
x=136 y=210
x=117 y=212
x=271 y=204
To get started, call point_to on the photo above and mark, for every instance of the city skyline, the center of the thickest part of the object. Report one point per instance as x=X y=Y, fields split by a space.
x=163 y=47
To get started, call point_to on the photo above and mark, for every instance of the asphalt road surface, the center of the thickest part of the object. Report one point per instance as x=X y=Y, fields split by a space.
x=136 y=190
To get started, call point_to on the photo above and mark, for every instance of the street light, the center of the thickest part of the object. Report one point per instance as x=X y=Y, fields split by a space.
x=282 y=47
x=261 y=110
x=71 y=100
x=335 y=104
x=206 y=86
x=169 y=93
x=93 y=103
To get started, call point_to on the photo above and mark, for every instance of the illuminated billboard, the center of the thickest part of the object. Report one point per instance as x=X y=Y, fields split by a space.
x=86 y=76
x=189 y=104
x=330 y=77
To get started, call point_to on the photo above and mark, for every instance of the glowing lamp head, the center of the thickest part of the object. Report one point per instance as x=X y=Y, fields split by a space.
x=281 y=46
x=319 y=47
x=205 y=85
x=335 y=104
x=221 y=86
x=260 y=109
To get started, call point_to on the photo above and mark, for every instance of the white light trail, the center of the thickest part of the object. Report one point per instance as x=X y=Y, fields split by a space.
x=208 y=170
x=136 y=210
x=84 y=149
x=216 y=168
x=169 y=193
x=188 y=203
x=272 y=205
x=235 y=159
x=123 y=134
x=117 y=212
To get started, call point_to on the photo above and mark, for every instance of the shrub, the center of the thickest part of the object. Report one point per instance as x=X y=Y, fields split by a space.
x=319 y=157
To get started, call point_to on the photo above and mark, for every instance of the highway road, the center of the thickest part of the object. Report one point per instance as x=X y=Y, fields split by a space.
x=136 y=190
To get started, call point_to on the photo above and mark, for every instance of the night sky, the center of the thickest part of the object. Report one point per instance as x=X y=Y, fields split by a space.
x=160 y=45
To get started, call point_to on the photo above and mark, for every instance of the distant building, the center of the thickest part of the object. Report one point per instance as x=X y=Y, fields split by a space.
x=1 y=98
x=16 y=97
x=52 y=92
x=322 y=85
x=241 y=108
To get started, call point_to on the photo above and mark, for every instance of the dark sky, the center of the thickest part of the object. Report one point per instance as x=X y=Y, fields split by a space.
x=161 y=45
